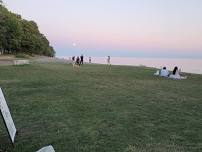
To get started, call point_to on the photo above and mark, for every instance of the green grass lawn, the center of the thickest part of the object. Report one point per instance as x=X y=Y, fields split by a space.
x=100 y=109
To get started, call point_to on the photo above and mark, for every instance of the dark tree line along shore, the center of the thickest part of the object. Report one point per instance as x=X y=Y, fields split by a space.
x=18 y=35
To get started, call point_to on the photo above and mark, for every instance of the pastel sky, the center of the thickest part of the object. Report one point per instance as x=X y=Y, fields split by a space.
x=139 y=28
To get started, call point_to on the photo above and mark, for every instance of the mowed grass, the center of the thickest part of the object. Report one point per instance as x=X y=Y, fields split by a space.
x=96 y=108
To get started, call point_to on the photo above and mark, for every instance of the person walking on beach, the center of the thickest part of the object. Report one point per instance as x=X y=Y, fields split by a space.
x=108 y=61
x=81 y=59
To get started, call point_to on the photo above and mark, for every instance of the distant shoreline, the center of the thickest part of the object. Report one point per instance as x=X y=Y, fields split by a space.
x=186 y=65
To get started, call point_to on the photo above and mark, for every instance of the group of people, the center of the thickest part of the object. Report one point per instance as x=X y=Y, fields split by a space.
x=78 y=60
x=175 y=74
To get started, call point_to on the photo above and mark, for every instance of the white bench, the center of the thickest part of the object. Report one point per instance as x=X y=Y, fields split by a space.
x=21 y=62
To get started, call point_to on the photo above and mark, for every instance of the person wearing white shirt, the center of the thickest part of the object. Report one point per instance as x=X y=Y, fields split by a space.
x=164 y=72
x=176 y=74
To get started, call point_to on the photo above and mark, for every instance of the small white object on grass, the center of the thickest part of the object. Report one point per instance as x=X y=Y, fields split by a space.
x=157 y=73
x=47 y=149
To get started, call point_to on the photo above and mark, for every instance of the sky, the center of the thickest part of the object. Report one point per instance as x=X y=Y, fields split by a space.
x=122 y=28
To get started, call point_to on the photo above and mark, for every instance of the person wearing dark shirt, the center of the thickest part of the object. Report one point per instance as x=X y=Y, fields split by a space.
x=81 y=60
x=73 y=58
x=77 y=60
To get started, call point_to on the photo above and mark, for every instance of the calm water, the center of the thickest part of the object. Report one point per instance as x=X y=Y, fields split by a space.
x=186 y=65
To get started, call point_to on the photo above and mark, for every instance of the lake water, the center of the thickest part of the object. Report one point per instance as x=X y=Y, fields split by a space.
x=186 y=65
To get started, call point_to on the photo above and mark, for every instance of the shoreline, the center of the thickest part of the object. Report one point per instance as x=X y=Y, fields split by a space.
x=8 y=60
x=186 y=65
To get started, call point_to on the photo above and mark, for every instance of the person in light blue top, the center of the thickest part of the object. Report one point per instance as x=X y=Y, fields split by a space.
x=164 y=72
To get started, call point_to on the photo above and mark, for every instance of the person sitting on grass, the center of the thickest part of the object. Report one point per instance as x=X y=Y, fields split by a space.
x=176 y=74
x=164 y=72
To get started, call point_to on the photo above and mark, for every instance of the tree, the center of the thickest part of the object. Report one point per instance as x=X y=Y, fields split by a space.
x=19 y=35
x=3 y=41
x=13 y=34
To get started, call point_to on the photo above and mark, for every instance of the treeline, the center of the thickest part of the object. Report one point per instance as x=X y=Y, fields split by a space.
x=18 y=35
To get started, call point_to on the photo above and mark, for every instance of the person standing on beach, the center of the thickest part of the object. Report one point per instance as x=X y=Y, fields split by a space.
x=108 y=61
x=73 y=58
x=78 y=61
x=81 y=59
